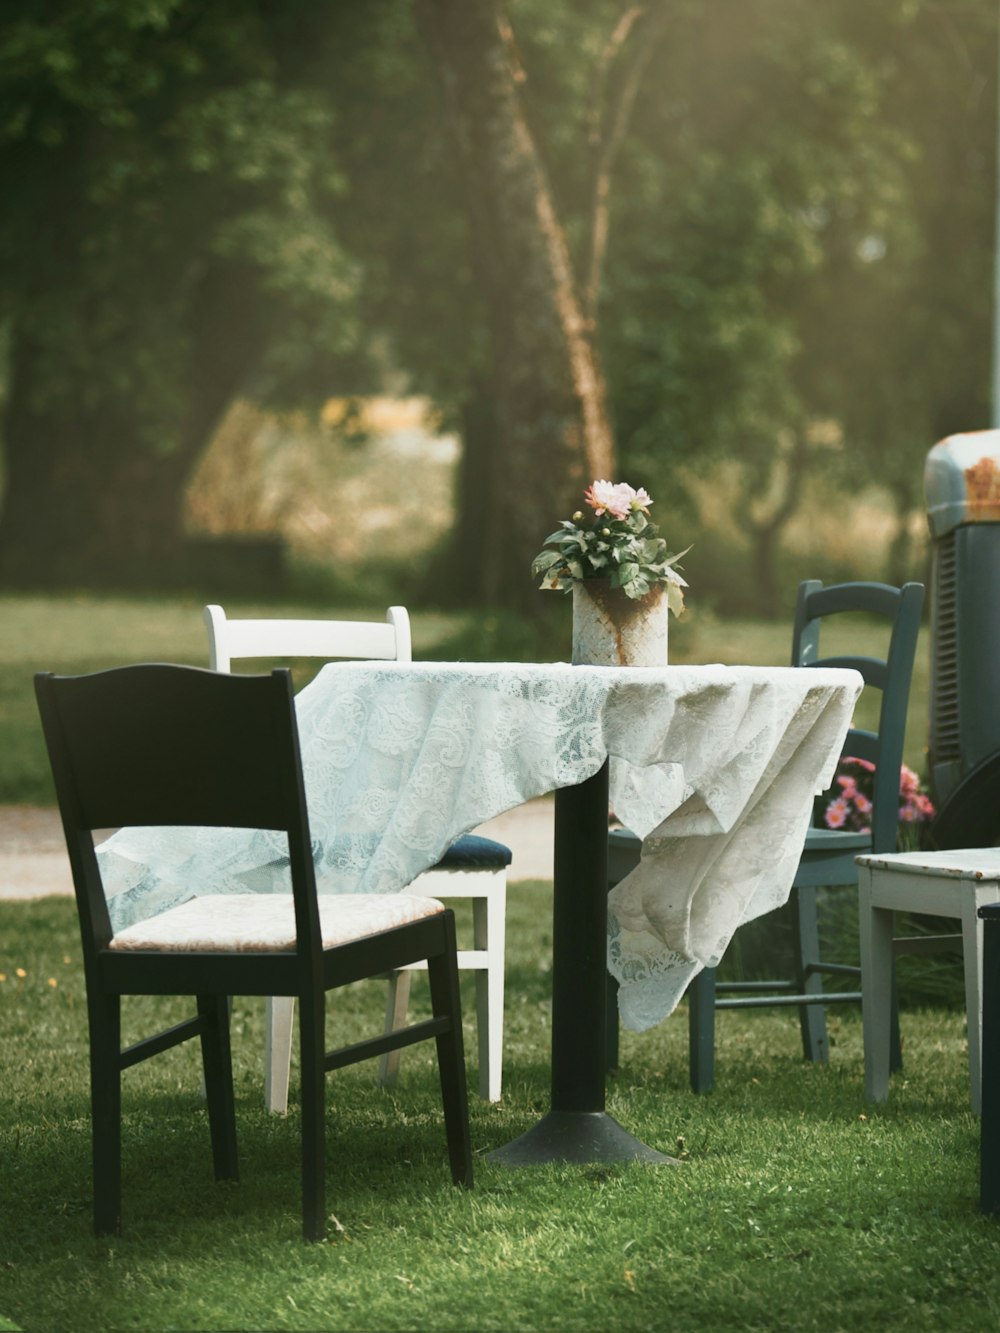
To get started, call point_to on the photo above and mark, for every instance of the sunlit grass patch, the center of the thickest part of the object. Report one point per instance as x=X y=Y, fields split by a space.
x=794 y=1205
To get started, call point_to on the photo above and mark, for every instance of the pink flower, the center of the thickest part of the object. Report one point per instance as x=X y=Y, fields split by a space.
x=637 y=499
x=862 y=803
x=848 y=787
x=836 y=813
x=617 y=499
x=908 y=781
x=604 y=497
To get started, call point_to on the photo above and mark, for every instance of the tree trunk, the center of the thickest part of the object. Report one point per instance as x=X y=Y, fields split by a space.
x=899 y=560
x=86 y=499
x=82 y=503
x=551 y=424
x=765 y=531
x=464 y=569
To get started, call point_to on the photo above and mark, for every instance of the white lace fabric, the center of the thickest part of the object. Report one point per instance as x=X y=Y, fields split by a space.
x=715 y=767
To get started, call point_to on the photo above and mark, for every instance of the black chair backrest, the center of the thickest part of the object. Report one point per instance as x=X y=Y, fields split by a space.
x=162 y=744
x=891 y=675
x=175 y=745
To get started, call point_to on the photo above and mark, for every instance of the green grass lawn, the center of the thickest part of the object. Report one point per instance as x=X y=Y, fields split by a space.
x=86 y=633
x=794 y=1205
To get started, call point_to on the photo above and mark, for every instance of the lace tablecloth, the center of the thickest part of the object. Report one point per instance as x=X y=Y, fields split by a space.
x=715 y=767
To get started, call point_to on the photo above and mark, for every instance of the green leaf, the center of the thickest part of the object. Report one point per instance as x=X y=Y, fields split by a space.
x=675 y=598
x=545 y=560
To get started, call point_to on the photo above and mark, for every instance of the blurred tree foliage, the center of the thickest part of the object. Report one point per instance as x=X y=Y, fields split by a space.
x=823 y=181
x=167 y=240
x=778 y=216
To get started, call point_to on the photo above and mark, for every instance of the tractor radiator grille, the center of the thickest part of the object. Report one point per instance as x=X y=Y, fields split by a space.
x=945 y=743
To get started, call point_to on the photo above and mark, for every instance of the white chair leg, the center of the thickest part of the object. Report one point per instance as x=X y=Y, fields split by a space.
x=397 y=1003
x=489 y=917
x=279 y=1020
x=875 y=928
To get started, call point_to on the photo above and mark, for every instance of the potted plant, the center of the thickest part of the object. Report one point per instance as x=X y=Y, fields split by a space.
x=623 y=579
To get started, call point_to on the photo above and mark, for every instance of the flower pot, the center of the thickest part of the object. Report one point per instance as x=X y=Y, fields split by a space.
x=611 y=629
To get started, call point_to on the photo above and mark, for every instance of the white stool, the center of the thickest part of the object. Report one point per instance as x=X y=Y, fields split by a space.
x=952 y=884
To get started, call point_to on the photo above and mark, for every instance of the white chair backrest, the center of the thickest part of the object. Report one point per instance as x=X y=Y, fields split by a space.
x=234 y=639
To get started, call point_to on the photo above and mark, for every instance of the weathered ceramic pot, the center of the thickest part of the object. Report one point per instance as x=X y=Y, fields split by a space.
x=610 y=629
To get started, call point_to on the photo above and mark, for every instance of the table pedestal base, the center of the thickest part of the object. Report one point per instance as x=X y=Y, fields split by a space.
x=576 y=1136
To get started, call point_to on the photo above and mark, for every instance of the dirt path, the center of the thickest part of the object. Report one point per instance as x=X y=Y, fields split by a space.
x=33 y=856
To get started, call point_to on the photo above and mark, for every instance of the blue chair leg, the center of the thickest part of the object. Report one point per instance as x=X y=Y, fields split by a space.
x=701 y=1031
x=812 y=1017
x=895 y=1040
x=611 y=1025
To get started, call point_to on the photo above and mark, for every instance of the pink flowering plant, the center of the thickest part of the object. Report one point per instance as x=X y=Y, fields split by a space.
x=614 y=541
x=851 y=809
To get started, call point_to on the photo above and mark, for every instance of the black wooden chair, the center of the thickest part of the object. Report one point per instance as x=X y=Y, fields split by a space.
x=827 y=859
x=171 y=745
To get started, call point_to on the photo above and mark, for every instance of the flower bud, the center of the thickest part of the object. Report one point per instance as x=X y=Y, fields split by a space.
x=577 y=516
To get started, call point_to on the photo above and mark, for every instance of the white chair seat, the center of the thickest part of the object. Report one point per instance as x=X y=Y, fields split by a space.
x=950 y=884
x=265 y=923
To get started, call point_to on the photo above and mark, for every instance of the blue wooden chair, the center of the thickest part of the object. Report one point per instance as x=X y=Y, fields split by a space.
x=827 y=859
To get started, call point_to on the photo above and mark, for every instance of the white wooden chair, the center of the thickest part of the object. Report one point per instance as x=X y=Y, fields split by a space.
x=473 y=868
x=948 y=884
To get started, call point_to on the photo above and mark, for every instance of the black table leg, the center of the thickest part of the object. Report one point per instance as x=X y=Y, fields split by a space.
x=578 y=1129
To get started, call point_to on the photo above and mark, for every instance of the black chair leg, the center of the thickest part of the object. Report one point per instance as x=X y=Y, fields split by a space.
x=312 y=1035
x=442 y=973
x=812 y=1017
x=216 y=1055
x=701 y=1031
x=106 y=1111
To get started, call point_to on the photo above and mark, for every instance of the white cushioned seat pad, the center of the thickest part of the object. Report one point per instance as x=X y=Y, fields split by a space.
x=265 y=923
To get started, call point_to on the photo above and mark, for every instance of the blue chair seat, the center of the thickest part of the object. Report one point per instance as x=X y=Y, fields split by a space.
x=470 y=852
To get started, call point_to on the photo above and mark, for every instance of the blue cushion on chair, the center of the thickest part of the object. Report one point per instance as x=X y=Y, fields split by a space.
x=472 y=853
x=623 y=853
